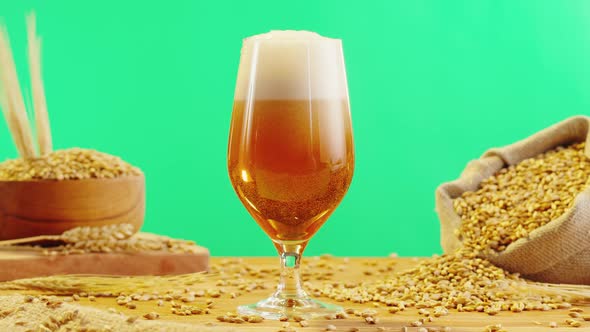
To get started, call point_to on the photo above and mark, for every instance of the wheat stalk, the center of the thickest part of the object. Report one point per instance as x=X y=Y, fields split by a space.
x=105 y=285
x=115 y=232
x=37 y=89
x=31 y=240
x=102 y=239
x=579 y=293
x=11 y=100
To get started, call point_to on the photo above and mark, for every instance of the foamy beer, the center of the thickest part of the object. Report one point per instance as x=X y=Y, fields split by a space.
x=290 y=154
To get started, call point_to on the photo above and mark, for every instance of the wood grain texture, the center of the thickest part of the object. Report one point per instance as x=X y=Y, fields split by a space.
x=354 y=270
x=27 y=264
x=30 y=208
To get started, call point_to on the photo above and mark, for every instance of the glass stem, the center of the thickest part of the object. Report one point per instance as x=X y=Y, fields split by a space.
x=290 y=288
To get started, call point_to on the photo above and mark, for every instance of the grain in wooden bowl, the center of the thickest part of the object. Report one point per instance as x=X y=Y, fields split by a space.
x=66 y=189
x=45 y=192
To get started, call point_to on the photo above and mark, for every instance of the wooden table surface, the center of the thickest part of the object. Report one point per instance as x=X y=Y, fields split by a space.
x=224 y=269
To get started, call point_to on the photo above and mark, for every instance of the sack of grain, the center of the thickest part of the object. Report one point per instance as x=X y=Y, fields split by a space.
x=556 y=250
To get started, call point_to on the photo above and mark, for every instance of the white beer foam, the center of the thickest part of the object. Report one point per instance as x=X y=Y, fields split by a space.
x=291 y=65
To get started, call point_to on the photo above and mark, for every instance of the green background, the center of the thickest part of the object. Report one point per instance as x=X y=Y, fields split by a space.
x=432 y=85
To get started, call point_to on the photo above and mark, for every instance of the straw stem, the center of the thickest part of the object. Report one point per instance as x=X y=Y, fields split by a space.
x=37 y=89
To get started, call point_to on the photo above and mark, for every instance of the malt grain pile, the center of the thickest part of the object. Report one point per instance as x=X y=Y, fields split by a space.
x=461 y=281
x=521 y=198
x=69 y=164
x=102 y=239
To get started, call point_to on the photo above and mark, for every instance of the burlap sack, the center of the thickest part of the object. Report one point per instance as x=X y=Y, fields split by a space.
x=558 y=252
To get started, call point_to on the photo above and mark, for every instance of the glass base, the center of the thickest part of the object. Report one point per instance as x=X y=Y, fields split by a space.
x=274 y=308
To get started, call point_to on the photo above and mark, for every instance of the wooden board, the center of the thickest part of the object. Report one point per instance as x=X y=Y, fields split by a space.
x=353 y=269
x=28 y=263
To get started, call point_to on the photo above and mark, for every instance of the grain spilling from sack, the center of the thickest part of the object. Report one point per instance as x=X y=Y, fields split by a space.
x=521 y=198
x=506 y=207
x=525 y=207
x=459 y=281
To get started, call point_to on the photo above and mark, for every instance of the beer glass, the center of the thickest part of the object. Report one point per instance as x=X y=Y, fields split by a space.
x=290 y=154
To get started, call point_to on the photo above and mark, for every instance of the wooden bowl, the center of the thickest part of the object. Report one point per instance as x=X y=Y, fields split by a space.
x=31 y=208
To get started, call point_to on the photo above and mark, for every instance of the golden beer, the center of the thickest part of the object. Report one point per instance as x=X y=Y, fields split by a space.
x=291 y=162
